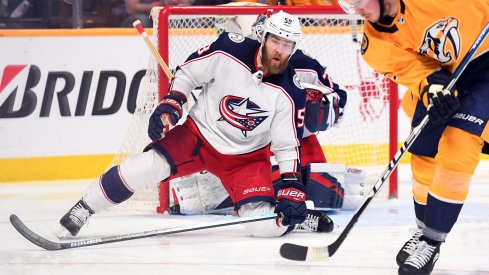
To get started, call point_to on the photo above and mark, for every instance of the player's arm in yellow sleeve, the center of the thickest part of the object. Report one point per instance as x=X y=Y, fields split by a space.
x=425 y=76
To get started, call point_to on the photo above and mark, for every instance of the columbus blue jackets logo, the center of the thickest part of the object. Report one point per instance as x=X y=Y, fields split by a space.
x=442 y=41
x=236 y=37
x=241 y=113
x=297 y=82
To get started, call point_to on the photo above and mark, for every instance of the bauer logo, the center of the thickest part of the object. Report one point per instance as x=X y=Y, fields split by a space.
x=257 y=189
x=27 y=90
x=469 y=118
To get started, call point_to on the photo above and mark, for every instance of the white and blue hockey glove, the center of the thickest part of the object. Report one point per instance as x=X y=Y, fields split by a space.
x=291 y=197
x=169 y=107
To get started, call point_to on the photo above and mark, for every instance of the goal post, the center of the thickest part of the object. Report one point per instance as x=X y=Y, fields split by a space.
x=367 y=136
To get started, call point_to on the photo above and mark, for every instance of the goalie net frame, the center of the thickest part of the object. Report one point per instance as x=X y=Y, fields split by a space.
x=162 y=32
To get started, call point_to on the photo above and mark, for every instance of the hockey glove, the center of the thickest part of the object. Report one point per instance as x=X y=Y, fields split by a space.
x=441 y=103
x=169 y=111
x=322 y=109
x=291 y=197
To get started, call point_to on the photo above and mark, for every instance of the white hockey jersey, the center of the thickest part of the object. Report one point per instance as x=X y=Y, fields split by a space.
x=240 y=110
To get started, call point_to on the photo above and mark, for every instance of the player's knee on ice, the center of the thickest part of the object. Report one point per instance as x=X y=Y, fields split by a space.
x=264 y=229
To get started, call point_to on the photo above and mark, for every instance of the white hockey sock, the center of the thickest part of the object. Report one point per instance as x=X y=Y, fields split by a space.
x=137 y=172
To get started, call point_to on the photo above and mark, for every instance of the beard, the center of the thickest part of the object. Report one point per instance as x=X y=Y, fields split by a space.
x=270 y=67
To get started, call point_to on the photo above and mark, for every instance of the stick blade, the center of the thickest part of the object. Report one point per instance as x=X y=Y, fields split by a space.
x=293 y=252
x=304 y=253
x=31 y=236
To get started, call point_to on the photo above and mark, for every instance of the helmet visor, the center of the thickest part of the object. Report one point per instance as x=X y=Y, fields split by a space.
x=352 y=6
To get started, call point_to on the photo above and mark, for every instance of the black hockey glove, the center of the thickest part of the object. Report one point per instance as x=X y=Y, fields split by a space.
x=442 y=103
x=291 y=197
x=169 y=111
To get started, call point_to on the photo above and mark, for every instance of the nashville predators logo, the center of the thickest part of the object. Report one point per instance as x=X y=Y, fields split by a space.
x=241 y=113
x=442 y=41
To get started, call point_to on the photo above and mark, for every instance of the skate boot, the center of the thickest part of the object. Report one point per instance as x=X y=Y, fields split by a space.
x=174 y=209
x=316 y=221
x=423 y=259
x=408 y=248
x=73 y=221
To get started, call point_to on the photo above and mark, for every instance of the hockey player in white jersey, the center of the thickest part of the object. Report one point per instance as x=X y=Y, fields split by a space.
x=251 y=104
x=203 y=193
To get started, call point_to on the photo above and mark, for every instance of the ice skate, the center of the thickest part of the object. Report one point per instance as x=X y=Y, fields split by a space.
x=316 y=221
x=74 y=220
x=409 y=247
x=423 y=259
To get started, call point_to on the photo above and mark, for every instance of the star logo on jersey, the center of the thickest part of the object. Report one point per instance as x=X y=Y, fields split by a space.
x=241 y=113
x=442 y=41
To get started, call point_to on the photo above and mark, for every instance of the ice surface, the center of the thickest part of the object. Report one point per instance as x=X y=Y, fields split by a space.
x=370 y=248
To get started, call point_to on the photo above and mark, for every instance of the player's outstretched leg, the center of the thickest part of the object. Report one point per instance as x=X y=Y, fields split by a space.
x=423 y=259
x=408 y=248
x=115 y=186
x=316 y=221
x=75 y=219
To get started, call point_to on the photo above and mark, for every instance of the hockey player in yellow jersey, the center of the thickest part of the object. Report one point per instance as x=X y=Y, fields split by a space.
x=419 y=44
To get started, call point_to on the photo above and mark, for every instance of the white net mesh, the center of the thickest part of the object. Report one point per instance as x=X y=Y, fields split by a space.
x=137 y=138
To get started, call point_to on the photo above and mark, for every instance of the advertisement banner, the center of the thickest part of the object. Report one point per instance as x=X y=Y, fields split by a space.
x=65 y=96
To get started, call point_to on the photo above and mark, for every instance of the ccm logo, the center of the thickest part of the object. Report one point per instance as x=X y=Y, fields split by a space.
x=256 y=189
x=469 y=118
x=291 y=194
x=353 y=170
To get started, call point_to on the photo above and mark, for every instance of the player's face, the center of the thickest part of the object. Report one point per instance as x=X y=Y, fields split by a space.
x=276 y=52
x=370 y=11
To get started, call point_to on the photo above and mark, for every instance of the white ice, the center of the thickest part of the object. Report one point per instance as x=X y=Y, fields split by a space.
x=370 y=248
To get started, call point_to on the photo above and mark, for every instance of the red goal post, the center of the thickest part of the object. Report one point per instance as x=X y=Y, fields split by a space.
x=367 y=136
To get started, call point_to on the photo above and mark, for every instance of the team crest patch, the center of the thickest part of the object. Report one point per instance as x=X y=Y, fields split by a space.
x=364 y=46
x=236 y=37
x=297 y=82
x=442 y=41
x=241 y=113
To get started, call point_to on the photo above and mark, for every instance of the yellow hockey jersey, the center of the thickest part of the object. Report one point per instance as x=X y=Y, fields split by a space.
x=424 y=36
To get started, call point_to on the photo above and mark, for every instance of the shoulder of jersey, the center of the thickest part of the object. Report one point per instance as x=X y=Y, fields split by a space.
x=290 y=80
x=234 y=44
x=301 y=60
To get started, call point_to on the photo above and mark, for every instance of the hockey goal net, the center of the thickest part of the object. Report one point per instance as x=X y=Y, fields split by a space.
x=367 y=136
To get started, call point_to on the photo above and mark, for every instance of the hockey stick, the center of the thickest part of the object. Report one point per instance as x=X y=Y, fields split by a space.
x=139 y=27
x=50 y=245
x=303 y=253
